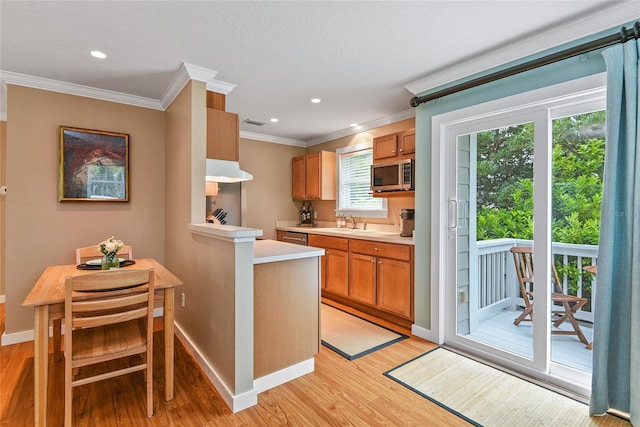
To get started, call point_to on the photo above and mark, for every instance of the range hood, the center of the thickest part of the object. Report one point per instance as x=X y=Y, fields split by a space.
x=225 y=171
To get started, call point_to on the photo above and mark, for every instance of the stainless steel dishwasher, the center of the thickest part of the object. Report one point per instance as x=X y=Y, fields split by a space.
x=295 y=238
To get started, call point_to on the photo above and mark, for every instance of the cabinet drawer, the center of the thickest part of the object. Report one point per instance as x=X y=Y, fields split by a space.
x=328 y=242
x=386 y=250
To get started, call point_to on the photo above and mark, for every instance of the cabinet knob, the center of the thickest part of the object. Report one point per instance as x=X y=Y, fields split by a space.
x=380 y=262
x=373 y=261
x=401 y=150
x=375 y=249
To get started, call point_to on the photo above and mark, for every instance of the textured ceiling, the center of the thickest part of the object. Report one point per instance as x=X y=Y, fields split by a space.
x=356 y=56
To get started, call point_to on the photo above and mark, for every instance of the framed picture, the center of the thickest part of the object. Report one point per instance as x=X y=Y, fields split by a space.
x=94 y=165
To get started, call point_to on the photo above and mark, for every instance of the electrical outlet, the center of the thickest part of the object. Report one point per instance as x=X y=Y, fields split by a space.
x=183 y=300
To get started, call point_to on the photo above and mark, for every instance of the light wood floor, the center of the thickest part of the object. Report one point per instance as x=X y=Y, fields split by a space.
x=339 y=392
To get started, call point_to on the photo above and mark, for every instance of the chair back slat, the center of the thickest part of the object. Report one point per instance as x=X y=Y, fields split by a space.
x=109 y=319
x=80 y=306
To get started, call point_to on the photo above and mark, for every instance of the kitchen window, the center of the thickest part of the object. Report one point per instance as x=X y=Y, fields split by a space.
x=354 y=183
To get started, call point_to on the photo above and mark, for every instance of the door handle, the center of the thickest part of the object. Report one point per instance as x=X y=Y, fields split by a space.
x=453 y=223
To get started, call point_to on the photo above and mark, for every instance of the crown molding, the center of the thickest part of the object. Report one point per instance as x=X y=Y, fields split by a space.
x=185 y=73
x=273 y=139
x=618 y=13
x=403 y=115
x=17 y=79
x=220 y=87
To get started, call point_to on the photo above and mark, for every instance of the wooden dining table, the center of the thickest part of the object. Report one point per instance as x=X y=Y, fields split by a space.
x=47 y=299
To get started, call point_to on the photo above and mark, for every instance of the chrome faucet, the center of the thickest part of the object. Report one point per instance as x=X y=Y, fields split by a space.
x=353 y=221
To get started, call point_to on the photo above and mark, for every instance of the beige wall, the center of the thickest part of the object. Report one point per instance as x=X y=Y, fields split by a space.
x=3 y=145
x=41 y=230
x=326 y=209
x=214 y=317
x=268 y=195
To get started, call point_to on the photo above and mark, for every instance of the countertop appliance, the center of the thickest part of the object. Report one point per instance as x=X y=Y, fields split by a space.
x=407 y=222
x=295 y=238
x=393 y=176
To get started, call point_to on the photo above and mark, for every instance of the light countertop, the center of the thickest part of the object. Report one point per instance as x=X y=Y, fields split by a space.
x=265 y=251
x=329 y=229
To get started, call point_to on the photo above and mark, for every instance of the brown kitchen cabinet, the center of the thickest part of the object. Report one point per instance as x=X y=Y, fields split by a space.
x=223 y=129
x=380 y=274
x=395 y=146
x=314 y=176
x=334 y=265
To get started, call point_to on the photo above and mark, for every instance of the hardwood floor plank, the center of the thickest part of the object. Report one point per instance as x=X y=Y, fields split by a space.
x=339 y=392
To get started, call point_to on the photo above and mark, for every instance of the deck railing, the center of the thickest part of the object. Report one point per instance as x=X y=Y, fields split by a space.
x=498 y=285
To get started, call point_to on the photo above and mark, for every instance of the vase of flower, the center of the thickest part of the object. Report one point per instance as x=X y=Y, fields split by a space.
x=109 y=249
x=110 y=261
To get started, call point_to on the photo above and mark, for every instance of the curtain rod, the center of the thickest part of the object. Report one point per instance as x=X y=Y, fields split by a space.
x=620 y=37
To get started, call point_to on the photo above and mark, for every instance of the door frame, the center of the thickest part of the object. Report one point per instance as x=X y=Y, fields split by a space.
x=443 y=297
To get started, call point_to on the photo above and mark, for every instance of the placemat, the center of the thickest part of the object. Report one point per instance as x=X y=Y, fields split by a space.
x=84 y=266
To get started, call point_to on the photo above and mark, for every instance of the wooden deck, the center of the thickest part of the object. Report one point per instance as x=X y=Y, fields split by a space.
x=499 y=331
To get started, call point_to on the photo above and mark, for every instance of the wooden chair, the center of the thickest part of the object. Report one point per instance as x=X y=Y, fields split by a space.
x=92 y=252
x=564 y=306
x=83 y=255
x=109 y=315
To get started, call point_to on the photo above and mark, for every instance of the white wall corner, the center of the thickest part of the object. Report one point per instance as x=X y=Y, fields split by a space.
x=235 y=402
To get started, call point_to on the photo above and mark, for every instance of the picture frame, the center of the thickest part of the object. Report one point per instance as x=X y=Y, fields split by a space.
x=93 y=166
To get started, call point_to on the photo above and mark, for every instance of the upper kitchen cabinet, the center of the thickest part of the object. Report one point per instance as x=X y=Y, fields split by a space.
x=223 y=130
x=314 y=176
x=396 y=146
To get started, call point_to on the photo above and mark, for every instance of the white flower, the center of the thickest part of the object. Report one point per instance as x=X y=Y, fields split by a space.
x=111 y=246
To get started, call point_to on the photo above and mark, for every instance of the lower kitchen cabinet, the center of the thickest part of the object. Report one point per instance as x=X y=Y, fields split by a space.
x=370 y=276
x=395 y=287
x=334 y=264
x=380 y=274
x=362 y=278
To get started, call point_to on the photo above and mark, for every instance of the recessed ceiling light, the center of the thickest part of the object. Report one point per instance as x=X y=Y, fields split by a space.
x=353 y=125
x=98 y=54
x=316 y=100
x=274 y=120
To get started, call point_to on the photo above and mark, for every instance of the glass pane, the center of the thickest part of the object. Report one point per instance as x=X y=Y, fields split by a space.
x=495 y=213
x=578 y=163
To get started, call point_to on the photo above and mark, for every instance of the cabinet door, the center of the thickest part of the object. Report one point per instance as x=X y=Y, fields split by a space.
x=394 y=286
x=223 y=135
x=407 y=142
x=336 y=271
x=362 y=278
x=298 y=178
x=385 y=146
x=313 y=186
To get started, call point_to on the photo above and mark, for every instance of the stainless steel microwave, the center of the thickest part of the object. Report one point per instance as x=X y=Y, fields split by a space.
x=393 y=176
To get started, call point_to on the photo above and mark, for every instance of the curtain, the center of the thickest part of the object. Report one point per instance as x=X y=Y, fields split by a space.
x=616 y=343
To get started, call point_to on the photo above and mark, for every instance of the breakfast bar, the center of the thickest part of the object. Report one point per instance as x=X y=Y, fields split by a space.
x=258 y=312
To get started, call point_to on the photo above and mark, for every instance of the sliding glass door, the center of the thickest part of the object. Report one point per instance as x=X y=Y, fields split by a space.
x=522 y=188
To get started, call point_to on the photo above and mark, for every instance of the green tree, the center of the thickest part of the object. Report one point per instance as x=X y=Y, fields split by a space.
x=505 y=180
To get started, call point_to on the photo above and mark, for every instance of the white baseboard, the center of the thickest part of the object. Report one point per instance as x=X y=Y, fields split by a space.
x=284 y=375
x=25 y=336
x=423 y=333
x=2 y=298
x=245 y=400
x=235 y=402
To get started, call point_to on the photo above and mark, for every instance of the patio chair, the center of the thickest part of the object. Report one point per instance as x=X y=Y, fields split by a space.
x=564 y=306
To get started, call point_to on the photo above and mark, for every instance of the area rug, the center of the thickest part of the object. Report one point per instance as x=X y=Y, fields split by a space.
x=486 y=396
x=351 y=336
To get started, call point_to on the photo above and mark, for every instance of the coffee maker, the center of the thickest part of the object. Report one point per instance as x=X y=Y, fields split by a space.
x=407 y=222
